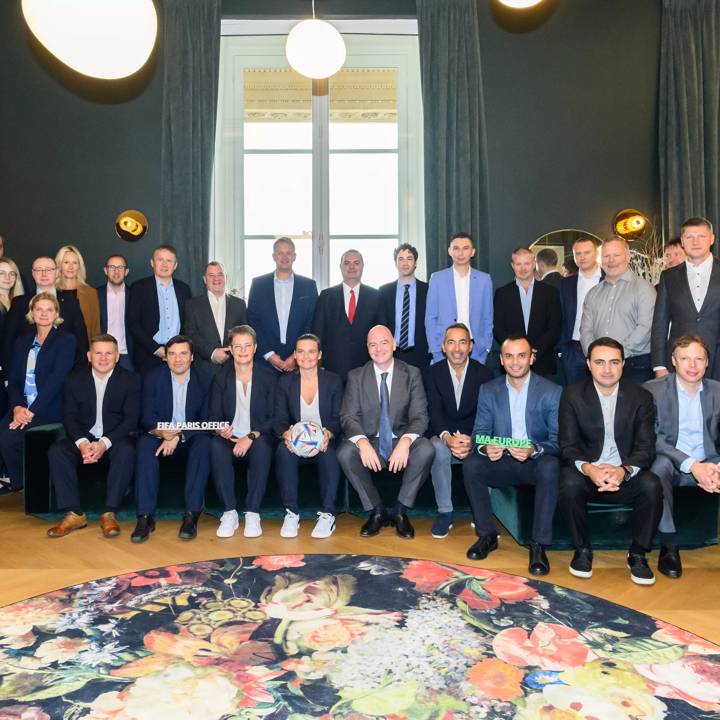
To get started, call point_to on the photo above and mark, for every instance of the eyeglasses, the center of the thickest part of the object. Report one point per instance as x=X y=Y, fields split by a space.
x=10 y=274
x=116 y=267
x=43 y=271
x=243 y=347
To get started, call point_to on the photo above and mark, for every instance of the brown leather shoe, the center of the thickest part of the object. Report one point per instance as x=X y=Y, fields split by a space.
x=109 y=525
x=71 y=521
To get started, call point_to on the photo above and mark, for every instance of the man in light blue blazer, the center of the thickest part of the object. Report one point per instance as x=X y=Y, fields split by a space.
x=522 y=406
x=460 y=294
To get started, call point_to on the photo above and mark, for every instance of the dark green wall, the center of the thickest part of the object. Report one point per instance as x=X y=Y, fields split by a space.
x=571 y=116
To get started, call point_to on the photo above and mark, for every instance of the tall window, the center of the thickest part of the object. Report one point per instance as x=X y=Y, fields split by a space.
x=334 y=165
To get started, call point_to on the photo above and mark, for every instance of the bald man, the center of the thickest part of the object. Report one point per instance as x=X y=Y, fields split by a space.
x=384 y=416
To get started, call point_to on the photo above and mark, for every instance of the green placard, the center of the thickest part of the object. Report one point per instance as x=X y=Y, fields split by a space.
x=502 y=441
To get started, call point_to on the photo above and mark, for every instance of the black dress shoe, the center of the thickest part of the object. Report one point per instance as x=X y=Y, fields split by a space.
x=403 y=527
x=483 y=547
x=376 y=522
x=669 y=561
x=188 y=529
x=539 y=563
x=145 y=525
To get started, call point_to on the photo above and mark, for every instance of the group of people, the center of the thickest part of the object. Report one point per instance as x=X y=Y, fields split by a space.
x=394 y=376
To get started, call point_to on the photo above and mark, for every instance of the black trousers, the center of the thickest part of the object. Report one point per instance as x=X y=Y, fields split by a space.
x=643 y=492
x=12 y=444
x=480 y=473
x=147 y=475
x=287 y=472
x=258 y=459
x=64 y=459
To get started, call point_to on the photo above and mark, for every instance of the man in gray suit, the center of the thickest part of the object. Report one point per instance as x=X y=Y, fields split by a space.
x=688 y=298
x=688 y=439
x=383 y=416
x=210 y=316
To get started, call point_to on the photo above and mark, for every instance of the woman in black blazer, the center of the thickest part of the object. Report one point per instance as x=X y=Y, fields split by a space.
x=40 y=364
x=315 y=395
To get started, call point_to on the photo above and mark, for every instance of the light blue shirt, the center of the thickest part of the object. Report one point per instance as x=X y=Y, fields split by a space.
x=169 y=313
x=690 y=426
x=179 y=391
x=526 y=301
x=283 y=300
x=518 y=403
x=399 y=293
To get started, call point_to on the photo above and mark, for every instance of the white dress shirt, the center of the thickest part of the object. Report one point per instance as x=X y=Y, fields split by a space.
x=583 y=285
x=116 y=316
x=699 y=280
x=218 y=307
x=241 y=421
x=346 y=295
x=462 y=298
x=97 y=429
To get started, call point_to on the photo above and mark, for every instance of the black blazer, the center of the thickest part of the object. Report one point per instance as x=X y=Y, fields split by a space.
x=568 y=305
x=444 y=414
x=262 y=314
x=344 y=346
x=419 y=356
x=676 y=315
x=553 y=279
x=144 y=319
x=544 y=326
x=287 y=401
x=262 y=397
x=54 y=362
x=120 y=407
x=157 y=398
x=201 y=329
x=102 y=301
x=582 y=430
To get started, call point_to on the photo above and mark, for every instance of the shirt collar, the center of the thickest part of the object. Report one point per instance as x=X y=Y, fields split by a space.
x=102 y=380
x=161 y=284
x=524 y=385
x=703 y=265
x=682 y=390
x=284 y=282
x=602 y=395
x=411 y=283
x=378 y=371
x=347 y=288
x=530 y=286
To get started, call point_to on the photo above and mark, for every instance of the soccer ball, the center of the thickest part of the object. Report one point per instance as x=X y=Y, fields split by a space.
x=306 y=439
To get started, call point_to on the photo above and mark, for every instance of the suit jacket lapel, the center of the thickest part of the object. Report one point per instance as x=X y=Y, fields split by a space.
x=209 y=318
x=706 y=403
x=673 y=407
x=714 y=281
x=398 y=386
x=295 y=389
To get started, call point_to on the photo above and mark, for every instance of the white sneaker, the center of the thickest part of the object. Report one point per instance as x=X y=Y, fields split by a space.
x=325 y=525
x=290 y=525
x=229 y=523
x=252 y=525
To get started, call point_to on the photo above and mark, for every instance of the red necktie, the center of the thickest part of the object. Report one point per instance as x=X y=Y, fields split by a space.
x=351 y=307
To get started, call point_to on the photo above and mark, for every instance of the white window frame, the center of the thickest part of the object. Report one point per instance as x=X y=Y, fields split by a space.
x=366 y=48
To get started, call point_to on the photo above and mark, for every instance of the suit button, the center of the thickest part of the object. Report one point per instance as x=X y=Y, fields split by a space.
x=697 y=319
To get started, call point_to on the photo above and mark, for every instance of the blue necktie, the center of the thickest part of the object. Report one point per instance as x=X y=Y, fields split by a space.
x=385 y=434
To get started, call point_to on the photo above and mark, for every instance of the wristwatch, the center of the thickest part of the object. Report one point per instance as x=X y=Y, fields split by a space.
x=537 y=449
x=627 y=469
x=252 y=436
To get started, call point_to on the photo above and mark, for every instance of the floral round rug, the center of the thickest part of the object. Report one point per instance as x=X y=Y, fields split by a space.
x=293 y=637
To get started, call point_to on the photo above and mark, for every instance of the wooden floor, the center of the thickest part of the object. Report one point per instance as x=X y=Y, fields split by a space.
x=30 y=563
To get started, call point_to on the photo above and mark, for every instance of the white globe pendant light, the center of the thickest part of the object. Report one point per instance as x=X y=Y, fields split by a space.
x=315 y=49
x=107 y=39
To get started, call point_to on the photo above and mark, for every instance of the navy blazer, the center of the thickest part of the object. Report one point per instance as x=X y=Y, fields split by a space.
x=262 y=397
x=420 y=356
x=143 y=317
x=568 y=305
x=541 y=412
x=157 y=398
x=54 y=362
x=287 y=401
x=263 y=318
x=442 y=409
x=102 y=300
x=344 y=346
x=120 y=407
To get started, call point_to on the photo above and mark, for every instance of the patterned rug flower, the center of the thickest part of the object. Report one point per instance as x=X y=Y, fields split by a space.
x=294 y=637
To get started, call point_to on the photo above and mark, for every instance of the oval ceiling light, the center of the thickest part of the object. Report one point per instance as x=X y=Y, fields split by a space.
x=630 y=224
x=315 y=48
x=520 y=4
x=106 y=39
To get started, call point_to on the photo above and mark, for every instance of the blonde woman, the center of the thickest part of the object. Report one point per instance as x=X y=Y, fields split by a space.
x=71 y=285
x=40 y=364
x=10 y=283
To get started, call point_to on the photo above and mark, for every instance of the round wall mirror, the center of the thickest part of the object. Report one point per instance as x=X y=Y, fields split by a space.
x=562 y=241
